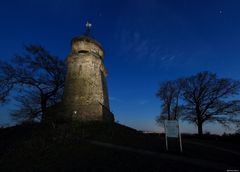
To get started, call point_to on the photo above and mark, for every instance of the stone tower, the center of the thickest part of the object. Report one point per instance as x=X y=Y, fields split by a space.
x=85 y=93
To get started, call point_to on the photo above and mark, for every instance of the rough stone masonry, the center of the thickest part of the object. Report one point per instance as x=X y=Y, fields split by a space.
x=85 y=92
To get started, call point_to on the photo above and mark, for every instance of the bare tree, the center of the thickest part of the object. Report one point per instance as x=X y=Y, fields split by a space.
x=6 y=83
x=38 y=72
x=169 y=94
x=208 y=99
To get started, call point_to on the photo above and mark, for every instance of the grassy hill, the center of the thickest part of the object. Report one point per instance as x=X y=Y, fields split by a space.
x=35 y=147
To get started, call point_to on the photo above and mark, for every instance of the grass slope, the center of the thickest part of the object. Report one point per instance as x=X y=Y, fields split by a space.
x=64 y=148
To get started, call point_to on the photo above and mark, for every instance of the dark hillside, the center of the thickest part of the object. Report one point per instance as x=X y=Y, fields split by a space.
x=34 y=147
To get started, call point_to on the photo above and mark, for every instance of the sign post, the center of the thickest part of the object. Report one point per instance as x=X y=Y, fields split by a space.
x=172 y=131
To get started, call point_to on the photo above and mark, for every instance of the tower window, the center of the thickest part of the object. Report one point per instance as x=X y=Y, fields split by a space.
x=82 y=51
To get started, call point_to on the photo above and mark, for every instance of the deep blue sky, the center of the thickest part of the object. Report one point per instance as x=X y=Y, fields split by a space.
x=145 y=43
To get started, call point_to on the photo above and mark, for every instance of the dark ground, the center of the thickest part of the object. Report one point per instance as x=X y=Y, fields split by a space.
x=70 y=148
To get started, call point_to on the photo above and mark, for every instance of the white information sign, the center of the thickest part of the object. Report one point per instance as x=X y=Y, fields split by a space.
x=172 y=128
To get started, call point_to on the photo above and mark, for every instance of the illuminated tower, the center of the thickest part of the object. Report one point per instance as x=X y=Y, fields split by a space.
x=85 y=93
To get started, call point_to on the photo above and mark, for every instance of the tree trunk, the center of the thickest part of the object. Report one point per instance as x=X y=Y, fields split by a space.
x=169 y=113
x=200 y=129
x=43 y=108
x=199 y=121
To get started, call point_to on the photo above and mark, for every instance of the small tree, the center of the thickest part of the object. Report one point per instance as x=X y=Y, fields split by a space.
x=208 y=99
x=40 y=77
x=169 y=94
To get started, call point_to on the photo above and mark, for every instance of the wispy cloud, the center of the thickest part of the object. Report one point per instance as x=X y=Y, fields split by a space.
x=144 y=49
x=168 y=58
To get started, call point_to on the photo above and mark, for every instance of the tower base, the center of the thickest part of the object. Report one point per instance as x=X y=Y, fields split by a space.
x=83 y=113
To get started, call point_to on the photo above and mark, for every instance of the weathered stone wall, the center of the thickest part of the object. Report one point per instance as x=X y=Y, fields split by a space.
x=85 y=92
x=87 y=46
